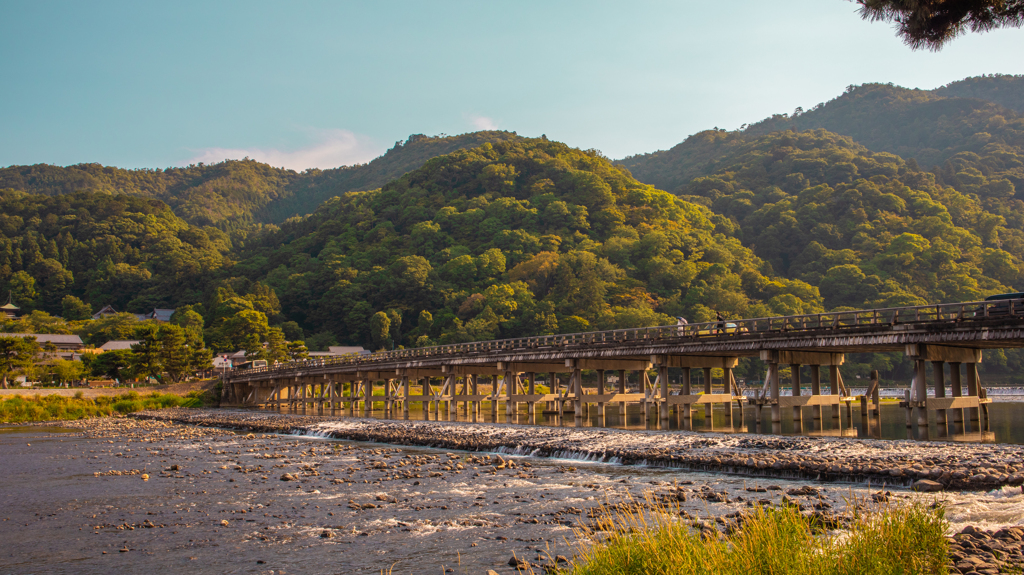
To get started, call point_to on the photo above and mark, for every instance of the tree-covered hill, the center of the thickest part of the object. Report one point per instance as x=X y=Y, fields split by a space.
x=1003 y=89
x=235 y=194
x=521 y=237
x=867 y=228
x=130 y=252
x=314 y=187
x=920 y=125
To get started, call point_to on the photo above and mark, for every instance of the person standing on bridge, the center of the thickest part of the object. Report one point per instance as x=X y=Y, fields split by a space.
x=681 y=321
x=721 y=322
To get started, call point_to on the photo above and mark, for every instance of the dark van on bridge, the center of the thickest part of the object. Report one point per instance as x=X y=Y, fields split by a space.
x=1002 y=307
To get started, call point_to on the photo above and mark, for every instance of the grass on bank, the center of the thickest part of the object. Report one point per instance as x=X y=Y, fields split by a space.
x=21 y=409
x=908 y=539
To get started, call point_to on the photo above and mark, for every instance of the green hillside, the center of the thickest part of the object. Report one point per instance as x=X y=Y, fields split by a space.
x=1003 y=89
x=130 y=252
x=235 y=194
x=516 y=238
x=867 y=228
x=914 y=124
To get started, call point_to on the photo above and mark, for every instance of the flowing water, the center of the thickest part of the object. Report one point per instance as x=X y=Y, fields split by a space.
x=1003 y=424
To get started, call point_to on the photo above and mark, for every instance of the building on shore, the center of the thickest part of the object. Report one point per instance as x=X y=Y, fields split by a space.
x=159 y=314
x=9 y=310
x=118 y=344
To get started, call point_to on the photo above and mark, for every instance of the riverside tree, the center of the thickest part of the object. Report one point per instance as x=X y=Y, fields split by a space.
x=16 y=352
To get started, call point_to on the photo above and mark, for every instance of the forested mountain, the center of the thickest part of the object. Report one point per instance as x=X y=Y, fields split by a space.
x=867 y=228
x=520 y=237
x=914 y=124
x=1003 y=89
x=126 y=251
x=314 y=187
x=235 y=194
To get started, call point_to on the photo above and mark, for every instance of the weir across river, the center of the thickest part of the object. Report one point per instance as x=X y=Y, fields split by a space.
x=442 y=378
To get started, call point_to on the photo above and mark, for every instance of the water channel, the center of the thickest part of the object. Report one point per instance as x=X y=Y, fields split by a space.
x=1003 y=426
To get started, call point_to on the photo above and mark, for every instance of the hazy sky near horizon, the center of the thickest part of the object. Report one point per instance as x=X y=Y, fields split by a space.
x=323 y=84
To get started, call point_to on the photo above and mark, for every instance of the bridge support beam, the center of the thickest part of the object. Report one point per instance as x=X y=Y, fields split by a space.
x=940 y=391
x=773 y=374
x=662 y=395
x=956 y=391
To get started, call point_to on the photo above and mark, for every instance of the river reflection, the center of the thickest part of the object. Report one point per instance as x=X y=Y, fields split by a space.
x=891 y=424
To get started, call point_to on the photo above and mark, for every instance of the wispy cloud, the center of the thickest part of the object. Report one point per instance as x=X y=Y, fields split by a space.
x=483 y=122
x=332 y=148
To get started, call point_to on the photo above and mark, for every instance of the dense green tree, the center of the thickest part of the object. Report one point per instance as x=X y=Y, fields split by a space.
x=147 y=354
x=16 y=352
x=380 y=330
x=297 y=351
x=175 y=357
x=114 y=364
x=75 y=309
x=277 y=346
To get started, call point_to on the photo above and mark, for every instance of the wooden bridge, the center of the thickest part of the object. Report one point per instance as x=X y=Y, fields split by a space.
x=453 y=375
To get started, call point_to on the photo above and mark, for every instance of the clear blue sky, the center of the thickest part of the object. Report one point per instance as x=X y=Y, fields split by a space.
x=146 y=84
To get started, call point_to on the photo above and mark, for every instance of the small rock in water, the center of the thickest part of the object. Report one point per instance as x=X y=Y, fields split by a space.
x=288 y=477
x=326 y=534
x=224 y=522
x=517 y=562
x=926 y=485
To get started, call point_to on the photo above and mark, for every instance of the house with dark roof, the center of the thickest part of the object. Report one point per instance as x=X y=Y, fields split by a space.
x=60 y=342
x=119 y=344
x=105 y=311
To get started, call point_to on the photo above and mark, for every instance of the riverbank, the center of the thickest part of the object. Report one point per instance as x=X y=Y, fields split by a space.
x=117 y=494
x=180 y=388
x=39 y=408
x=932 y=465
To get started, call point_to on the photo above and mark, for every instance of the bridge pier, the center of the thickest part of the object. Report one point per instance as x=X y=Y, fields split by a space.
x=798 y=414
x=956 y=391
x=773 y=374
x=687 y=407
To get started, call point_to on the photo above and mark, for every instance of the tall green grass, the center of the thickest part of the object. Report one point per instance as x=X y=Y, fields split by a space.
x=21 y=409
x=908 y=539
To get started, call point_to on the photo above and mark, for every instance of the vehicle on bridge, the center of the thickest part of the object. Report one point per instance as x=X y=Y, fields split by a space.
x=252 y=364
x=719 y=329
x=1003 y=307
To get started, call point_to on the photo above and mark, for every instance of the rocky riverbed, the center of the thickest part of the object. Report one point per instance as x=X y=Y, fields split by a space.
x=931 y=465
x=155 y=493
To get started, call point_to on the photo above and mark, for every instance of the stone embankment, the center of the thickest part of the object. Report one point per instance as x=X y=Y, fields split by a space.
x=932 y=465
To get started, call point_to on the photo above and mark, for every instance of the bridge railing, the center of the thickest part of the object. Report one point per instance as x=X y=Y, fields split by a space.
x=729 y=328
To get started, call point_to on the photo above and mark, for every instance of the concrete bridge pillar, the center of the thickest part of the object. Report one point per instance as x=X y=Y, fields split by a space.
x=972 y=389
x=531 y=389
x=798 y=413
x=577 y=388
x=707 y=390
x=600 y=390
x=833 y=382
x=816 y=390
x=405 y=397
x=921 y=393
x=687 y=407
x=938 y=368
x=474 y=390
x=622 y=389
x=957 y=391
x=663 y=395
x=773 y=374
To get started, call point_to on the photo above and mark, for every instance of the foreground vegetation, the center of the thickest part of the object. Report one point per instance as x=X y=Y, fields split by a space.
x=19 y=409
x=901 y=539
